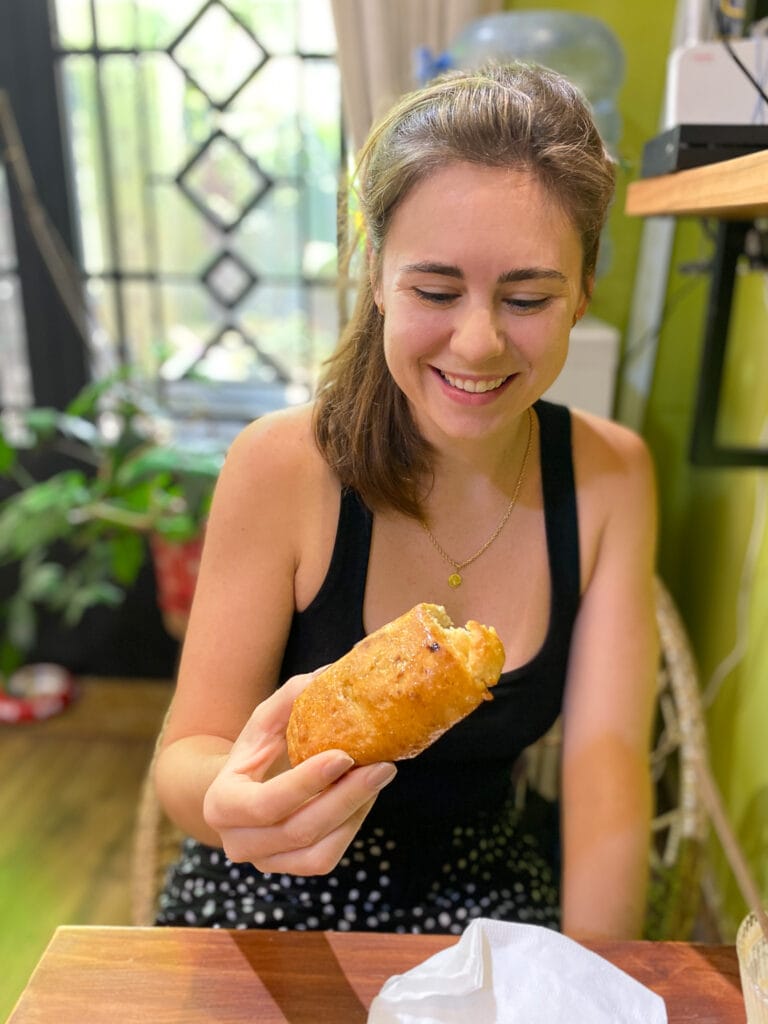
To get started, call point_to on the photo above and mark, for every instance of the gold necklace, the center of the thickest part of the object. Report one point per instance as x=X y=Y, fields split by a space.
x=455 y=579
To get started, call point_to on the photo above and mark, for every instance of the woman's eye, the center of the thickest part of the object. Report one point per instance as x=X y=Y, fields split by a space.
x=527 y=305
x=438 y=298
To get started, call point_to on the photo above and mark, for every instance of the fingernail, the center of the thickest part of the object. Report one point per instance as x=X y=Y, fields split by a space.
x=335 y=766
x=379 y=775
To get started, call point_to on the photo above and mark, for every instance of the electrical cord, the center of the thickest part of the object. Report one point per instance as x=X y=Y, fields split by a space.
x=721 y=10
x=695 y=272
x=637 y=347
x=740 y=63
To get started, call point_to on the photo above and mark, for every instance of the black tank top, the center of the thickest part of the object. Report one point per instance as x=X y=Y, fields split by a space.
x=468 y=769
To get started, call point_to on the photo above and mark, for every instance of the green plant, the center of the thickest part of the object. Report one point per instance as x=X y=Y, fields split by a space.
x=79 y=536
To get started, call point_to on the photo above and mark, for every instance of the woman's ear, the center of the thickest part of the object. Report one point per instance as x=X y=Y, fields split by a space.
x=586 y=295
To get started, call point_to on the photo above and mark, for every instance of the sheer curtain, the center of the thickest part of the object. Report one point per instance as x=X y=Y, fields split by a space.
x=377 y=41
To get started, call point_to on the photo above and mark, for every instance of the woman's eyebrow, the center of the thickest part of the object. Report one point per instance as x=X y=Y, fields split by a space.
x=532 y=273
x=509 y=277
x=429 y=267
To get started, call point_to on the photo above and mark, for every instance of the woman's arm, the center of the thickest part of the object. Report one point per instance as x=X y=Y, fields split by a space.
x=222 y=774
x=611 y=689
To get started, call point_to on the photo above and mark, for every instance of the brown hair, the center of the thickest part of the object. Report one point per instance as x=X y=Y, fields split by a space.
x=513 y=115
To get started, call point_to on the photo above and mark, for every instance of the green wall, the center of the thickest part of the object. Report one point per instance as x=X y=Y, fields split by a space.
x=643 y=31
x=711 y=519
x=714 y=553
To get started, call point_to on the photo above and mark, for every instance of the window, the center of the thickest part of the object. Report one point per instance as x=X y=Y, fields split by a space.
x=15 y=387
x=205 y=144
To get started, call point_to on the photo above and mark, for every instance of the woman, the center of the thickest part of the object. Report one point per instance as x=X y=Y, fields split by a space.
x=429 y=470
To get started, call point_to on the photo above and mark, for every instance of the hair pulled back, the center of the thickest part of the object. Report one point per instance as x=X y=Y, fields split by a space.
x=517 y=116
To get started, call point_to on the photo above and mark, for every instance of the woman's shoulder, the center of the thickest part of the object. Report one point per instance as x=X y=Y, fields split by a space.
x=615 y=486
x=603 y=447
x=289 y=429
x=279 y=443
x=276 y=457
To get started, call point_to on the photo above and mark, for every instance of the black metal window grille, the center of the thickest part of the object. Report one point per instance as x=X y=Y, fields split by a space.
x=205 y=143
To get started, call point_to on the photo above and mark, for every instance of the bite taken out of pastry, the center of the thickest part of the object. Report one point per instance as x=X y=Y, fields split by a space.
x=398 y=689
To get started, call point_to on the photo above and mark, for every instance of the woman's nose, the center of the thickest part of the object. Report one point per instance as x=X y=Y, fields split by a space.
x=477 y=335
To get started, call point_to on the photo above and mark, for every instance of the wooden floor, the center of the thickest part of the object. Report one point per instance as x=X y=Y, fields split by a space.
x=68 y=794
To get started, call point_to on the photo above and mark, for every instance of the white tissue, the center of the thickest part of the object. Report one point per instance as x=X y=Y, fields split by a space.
x=503 y=973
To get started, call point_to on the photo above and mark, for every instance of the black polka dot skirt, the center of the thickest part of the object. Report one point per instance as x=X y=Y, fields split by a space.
x=497 y=871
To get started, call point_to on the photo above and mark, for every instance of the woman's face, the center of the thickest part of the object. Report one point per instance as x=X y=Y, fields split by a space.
x=480 y=279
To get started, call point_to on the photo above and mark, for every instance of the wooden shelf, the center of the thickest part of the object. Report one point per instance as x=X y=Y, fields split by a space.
x=730 y=190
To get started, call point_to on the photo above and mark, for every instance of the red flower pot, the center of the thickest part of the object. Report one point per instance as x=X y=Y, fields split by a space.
x=176 y=566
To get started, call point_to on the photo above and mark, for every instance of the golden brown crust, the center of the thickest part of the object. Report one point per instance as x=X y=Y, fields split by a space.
x=398 y=689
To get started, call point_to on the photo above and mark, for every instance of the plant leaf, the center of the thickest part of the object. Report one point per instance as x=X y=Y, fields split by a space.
x=10 y=657
x=42 y=421
x=42 y=580
x=36 y=517
x=128 y=552
x=86 y=402
x=86 y=597
x=21 y=624
x=178 y=528
x=7 y=457
x=179 y=462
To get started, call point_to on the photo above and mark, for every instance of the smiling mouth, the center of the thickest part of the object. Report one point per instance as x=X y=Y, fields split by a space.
x=473 y=387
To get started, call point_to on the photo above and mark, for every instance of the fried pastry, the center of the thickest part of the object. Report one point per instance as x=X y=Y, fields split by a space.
x=398 y=689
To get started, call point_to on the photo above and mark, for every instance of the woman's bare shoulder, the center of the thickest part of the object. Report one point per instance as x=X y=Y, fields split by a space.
x=609 y=450
x=275 y=464
x=279 y=448
x=616 y=488
x=283 y=437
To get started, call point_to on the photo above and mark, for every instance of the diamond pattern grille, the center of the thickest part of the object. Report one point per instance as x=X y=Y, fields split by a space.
x=217 y=72
x=223 y=182
x=229 y=279
x=207 y=142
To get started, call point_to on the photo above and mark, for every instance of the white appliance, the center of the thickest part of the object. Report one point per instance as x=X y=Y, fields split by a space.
x=705 y=85
x=588 y=379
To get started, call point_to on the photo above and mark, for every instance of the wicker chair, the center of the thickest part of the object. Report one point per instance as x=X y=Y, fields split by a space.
x=156 y=843
x=680 y=825
x=679 y=828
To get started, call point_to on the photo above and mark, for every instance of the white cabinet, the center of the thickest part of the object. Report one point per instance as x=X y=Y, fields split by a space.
x=588 y=379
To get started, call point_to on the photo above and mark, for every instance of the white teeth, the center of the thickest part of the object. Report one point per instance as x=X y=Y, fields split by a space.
x=475 y=387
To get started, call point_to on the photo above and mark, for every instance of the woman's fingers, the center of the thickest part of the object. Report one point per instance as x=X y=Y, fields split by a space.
x=280 y=816
x=235 y=796
x=263 y=735
x=330 y=807
x=323 y=856
x=332 y=777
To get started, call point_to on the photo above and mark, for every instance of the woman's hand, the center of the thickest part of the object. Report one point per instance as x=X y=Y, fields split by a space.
x=282 y=819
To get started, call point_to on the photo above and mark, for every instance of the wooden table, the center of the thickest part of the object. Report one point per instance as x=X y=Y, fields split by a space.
x=190 y=975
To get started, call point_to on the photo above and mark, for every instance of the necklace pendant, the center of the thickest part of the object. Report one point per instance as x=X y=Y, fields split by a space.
x=454 y=580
